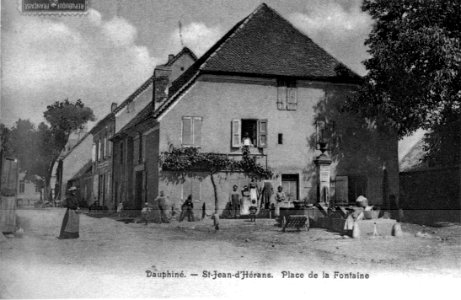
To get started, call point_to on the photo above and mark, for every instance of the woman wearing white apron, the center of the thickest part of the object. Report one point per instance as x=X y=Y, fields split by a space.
x=280 y=197
x=246 y=202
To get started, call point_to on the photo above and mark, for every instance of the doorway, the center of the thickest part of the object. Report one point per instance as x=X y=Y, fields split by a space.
x=290 y=184
x=138 y=190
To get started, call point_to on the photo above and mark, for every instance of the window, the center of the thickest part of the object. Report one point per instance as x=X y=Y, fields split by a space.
x=250 y=132
x=21 y=187
x=104 y=147
x=93 y=153
x=287 y=98
x=97 y=151
x=191 y=131
x=101 y=150
x=136 y=150
x=280 y=138
x=141 y=150
x=109 y=143
x=37 y=188
x=121 y=153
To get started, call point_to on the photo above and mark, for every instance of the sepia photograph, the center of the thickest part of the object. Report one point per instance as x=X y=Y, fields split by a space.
x=230 y=149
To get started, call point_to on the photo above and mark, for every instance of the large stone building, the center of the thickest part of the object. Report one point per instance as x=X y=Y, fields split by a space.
x=265 y=79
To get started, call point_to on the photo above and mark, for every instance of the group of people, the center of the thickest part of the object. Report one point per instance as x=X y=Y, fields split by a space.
x=248 y=201
x=251 y=199
x=155 y=210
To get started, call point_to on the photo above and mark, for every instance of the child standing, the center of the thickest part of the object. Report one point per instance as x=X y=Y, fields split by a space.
x=253 y=209
x=145 y=213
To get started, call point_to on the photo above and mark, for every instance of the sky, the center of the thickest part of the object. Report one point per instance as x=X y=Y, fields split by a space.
x=103 y=56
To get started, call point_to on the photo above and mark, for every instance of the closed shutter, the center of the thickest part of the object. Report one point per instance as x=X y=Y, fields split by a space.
x=101 y=150
x=262 y=133
x=292 y=98
x=281 y=96
x=236 y=133
x=187 y=131
x=197 y=131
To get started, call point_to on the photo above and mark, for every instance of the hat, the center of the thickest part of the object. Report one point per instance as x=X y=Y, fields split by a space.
x=73 y=188
x=361 y=199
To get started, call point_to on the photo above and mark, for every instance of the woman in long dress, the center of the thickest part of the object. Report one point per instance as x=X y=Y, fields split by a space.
x=70 y=223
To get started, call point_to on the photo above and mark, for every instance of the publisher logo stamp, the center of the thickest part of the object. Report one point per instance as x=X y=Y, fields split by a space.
x=53 y=6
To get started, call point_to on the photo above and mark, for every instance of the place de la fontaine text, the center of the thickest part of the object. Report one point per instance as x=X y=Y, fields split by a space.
x=245 y=274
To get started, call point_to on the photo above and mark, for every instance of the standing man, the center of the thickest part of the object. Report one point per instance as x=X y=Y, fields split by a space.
x=161 y=202
x=234 y=199
x=187 y=210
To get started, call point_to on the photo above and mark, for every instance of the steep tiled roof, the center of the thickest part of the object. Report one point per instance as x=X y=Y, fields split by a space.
x=262 y=44
x=75 y=146
x=83 y=170
x=123 y=104
x=141 y=116
x=268 y=44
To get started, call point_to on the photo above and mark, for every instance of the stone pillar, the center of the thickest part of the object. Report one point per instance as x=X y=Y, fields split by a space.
x=323 y=163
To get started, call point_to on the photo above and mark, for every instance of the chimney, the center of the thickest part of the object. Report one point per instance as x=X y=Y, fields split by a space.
x=170 y=57
x=113 y=106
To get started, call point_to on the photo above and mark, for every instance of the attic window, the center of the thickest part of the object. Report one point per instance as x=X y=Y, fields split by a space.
x=287 y=96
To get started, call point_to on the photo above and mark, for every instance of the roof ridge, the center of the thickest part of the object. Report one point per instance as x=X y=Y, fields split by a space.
x=133 y=95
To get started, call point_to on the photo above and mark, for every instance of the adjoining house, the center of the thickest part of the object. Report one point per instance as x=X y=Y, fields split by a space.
x=130 y=147
x=430 y=192
x=76 y=154
x=266 y=80
x=83 y=181
x=28 y=192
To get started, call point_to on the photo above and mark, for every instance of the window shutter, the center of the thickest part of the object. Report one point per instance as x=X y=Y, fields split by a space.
x=236 y=133
x=93 y=153
x=197 y=131
x=105 y=146
x=109 y=148
x=262 y=133
x=281 y=96
x=187 y=131
x=292 y=98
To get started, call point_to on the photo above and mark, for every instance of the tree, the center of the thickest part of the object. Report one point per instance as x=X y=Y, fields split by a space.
x=24 y=146
x=186 y=160
x=443 y=143
x=413 y=78
x=63 y=118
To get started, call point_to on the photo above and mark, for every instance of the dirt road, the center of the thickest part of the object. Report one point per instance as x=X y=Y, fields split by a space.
x=113 y=259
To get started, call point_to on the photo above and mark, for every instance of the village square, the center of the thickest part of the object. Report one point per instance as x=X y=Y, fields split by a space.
x=261 y=157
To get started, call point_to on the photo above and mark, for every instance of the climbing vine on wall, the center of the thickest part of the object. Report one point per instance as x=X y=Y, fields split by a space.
x=191 y=159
